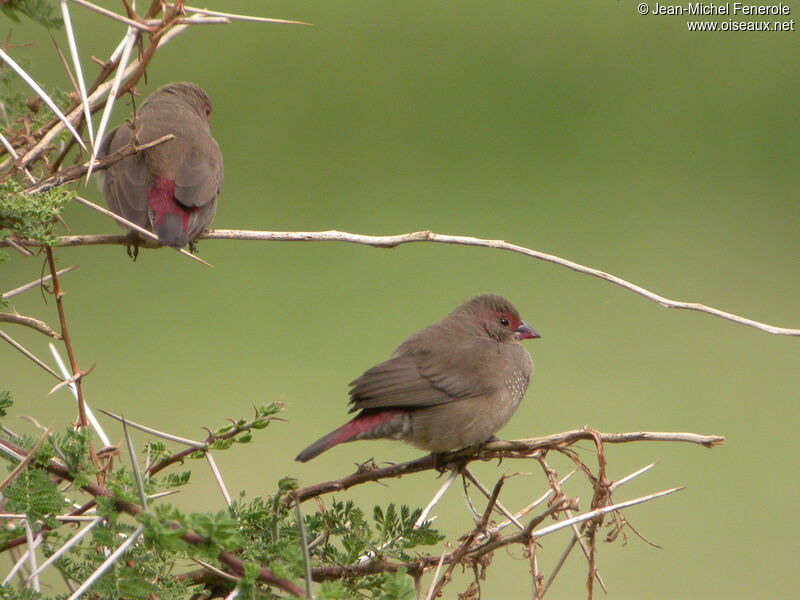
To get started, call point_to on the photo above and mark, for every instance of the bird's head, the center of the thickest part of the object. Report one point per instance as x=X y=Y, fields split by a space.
x=188 y=93
x=496 y=317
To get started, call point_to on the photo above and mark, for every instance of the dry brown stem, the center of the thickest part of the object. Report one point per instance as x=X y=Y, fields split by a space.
x=76 y=172
x=26 y=321
x=58 y=293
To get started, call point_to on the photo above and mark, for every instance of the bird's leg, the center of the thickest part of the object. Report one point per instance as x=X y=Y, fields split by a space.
x=193 y=248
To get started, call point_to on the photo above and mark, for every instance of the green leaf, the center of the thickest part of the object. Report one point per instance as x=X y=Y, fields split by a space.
x=35 y=494
x=31 y=216
x=41 y=11
x=5 y=402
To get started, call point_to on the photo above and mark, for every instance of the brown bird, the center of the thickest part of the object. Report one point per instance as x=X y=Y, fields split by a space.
x=451 y=385
x=170 y=189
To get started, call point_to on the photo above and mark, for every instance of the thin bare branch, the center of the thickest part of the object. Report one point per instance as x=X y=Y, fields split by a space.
x=26 y=321
x=235 y=17
x=602 y=511
x=499 y=507
x=561 y=560
x=536 y=577
x=196 y=20
x=423 y=517
x=76 y=172
x=392 y=241
x=26 y=352
x=218 y=572
x=521 y=513
x=112 y=15
x=620 y=482
x=218 y=477
x=36 y=283
x=471 y=537
x=155 y=432
x=432 y=588
x=21 y=249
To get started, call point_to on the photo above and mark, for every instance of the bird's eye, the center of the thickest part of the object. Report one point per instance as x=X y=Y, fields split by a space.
x=503 y=321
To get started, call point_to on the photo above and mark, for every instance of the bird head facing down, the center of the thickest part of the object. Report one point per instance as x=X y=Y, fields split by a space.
x=495 y=317
x=186 y=93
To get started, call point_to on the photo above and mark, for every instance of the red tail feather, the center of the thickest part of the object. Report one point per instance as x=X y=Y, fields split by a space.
x=364 y=423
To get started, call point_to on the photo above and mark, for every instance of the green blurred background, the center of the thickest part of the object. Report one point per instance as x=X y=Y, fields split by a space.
x=581 y=129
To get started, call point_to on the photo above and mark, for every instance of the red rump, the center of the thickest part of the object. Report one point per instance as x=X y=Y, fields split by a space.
x=161 y=201
x=363 y=423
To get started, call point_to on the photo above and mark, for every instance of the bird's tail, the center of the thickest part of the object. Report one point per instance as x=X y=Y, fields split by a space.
x=170 y=230
x=367 y=425
x=337 y=436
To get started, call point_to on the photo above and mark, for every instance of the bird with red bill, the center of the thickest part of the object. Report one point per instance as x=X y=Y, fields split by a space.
x=448 y=386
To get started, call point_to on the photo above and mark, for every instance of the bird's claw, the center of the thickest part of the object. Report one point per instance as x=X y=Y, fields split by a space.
x=132 y=246
x=440 y=462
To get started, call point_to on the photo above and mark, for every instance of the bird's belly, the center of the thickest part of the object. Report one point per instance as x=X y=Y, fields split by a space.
x=461 y=423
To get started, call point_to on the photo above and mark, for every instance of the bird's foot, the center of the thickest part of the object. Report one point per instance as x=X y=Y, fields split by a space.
x=366 y=466
x=193 y=248
x=482 y=448
x=132 y=245
x=441 y=462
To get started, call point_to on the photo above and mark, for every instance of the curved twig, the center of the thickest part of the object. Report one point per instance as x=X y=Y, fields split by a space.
x=392 y=241
x=26 y=321
x=72 y=173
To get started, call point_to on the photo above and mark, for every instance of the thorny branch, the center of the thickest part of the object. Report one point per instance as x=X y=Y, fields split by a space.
x=475 y=548
x=62 y=317
x=392 y=241
x=231 y=561
x=76 y=172
x=498 y=449
x=478 y=543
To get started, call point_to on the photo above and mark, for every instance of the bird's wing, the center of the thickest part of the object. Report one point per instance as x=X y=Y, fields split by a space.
x=426 y=377
x=199 y=179
x=125 y=184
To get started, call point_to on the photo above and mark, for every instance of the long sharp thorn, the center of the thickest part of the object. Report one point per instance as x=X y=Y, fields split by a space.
x=42 y=94
x=76 y=64
x=112 y=95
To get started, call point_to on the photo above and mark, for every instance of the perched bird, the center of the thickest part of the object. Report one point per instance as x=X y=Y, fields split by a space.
x=451 y=385
x=170 y=189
